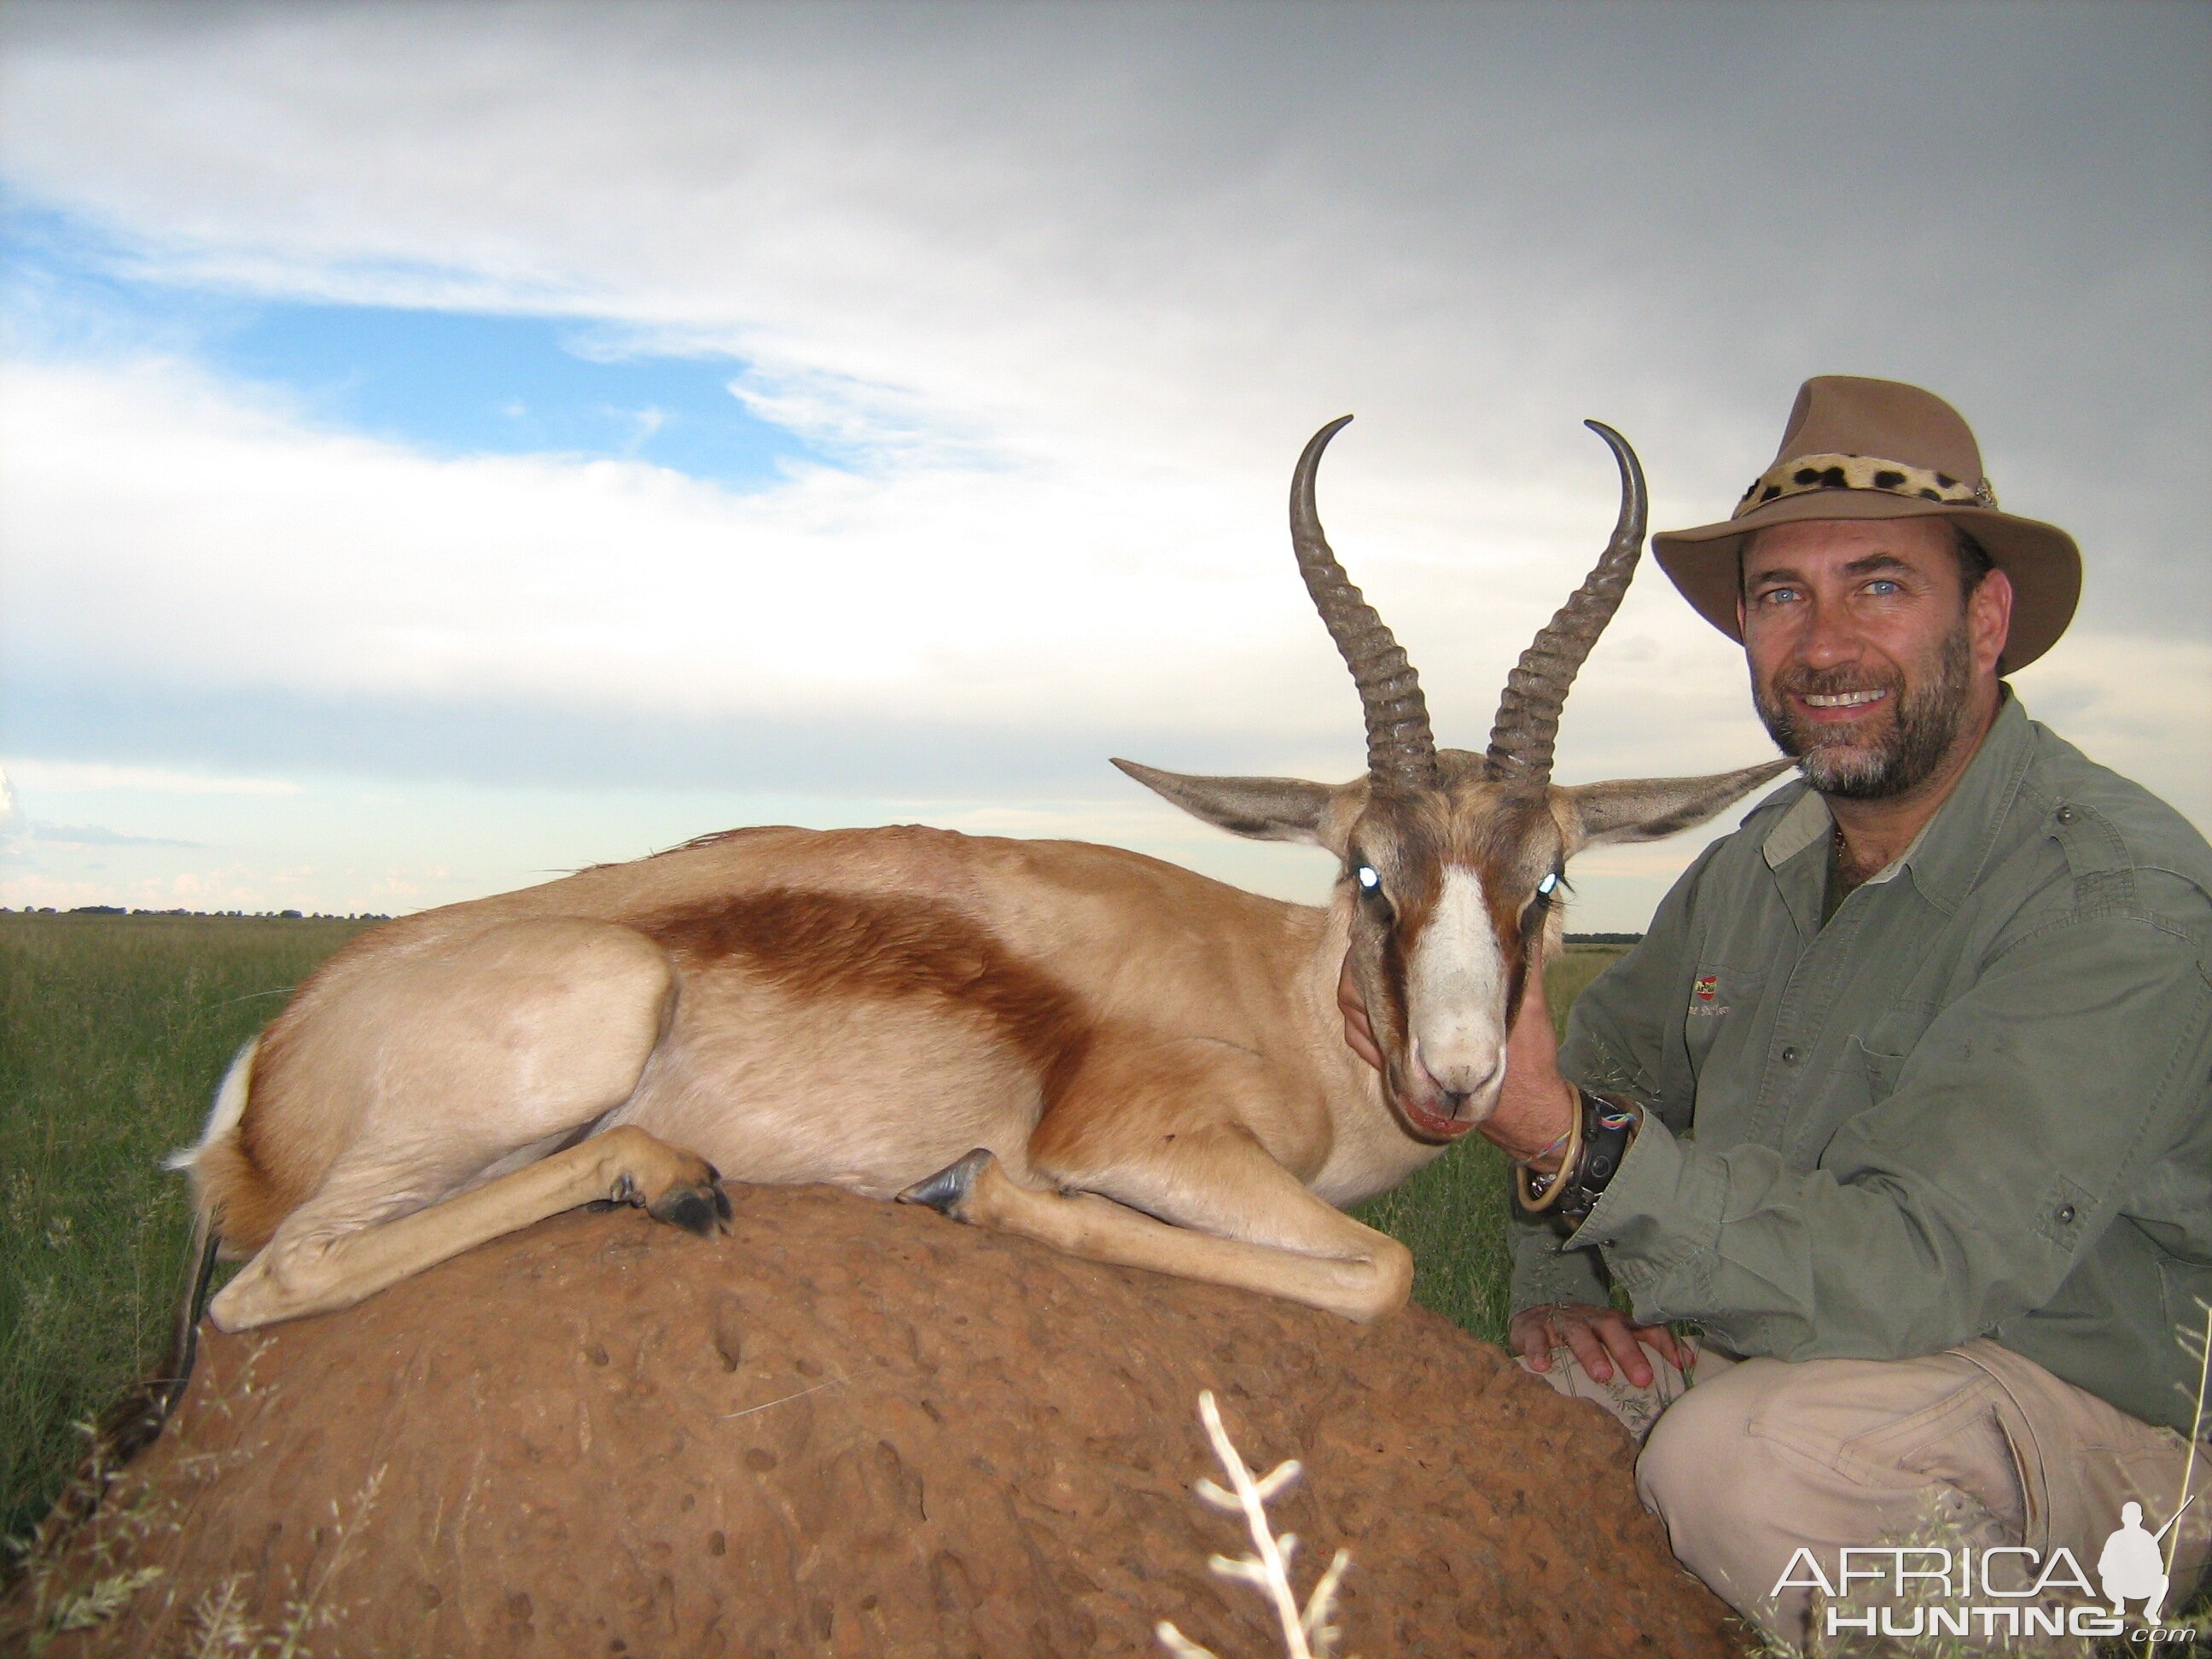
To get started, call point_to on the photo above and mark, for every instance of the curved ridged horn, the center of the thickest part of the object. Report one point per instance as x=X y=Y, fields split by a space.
x=1528 y=712
x=1401 y=751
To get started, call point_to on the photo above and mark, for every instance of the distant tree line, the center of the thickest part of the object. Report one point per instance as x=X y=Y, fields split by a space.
x=257 y=916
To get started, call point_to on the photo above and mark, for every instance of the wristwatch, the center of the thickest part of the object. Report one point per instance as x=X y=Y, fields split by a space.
x=1598 y=1141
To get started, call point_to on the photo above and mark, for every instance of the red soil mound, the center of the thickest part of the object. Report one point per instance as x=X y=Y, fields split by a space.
x=857 y=1428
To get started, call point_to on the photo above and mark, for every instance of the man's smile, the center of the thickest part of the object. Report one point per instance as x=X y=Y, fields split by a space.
x=1837 y=707
x=1846 y=699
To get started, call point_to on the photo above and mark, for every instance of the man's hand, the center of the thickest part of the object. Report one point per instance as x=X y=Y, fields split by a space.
x=1599 y=1338
x=1536 y=1104
x=1358 y=1031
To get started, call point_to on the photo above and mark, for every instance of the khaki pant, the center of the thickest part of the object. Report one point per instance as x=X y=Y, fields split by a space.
x=1750 y=1460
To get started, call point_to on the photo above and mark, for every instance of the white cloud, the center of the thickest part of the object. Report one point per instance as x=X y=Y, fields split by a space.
x=163 y=531
x=1075 y=282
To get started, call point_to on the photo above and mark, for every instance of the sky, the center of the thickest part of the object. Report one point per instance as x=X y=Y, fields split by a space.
x=444 y=446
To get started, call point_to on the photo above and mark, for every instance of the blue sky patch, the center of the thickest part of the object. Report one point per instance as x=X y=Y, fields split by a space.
x=447 y=383
x=458 y=383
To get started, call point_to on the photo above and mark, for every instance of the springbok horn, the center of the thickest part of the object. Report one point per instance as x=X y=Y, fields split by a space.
x=1401 y=751
x=1528 y=712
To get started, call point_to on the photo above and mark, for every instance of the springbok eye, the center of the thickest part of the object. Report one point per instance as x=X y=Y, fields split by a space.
x=1547 y=891
x=1369 y=881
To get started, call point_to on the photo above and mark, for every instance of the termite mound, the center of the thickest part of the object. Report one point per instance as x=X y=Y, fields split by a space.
x=856 y=1428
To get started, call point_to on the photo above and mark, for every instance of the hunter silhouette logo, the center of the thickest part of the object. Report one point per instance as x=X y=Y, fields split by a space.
x=2130 y=1567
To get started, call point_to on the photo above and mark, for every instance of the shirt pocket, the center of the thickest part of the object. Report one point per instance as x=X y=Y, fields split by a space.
x=1889 y=1042
x=1878 y=1069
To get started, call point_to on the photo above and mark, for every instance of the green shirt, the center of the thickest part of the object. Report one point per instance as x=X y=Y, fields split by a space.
x=1976 y=1102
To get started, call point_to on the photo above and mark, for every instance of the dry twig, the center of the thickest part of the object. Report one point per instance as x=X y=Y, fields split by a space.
x=1306 y=1633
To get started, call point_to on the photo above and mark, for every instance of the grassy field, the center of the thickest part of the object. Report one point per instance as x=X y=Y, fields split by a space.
x=114 y=1031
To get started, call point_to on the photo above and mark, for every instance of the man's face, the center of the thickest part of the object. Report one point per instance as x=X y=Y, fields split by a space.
x=1867 y=655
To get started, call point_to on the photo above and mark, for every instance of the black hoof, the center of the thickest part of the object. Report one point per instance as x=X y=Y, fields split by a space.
x=700 y=1210
x=946 y=1192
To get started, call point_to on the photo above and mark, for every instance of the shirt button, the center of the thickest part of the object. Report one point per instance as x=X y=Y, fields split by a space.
x=2066 y=1215
x=1789 y=1056
x=2066 y=815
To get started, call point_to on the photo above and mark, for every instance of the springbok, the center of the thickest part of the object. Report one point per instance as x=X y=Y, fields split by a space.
x=1075 y=1042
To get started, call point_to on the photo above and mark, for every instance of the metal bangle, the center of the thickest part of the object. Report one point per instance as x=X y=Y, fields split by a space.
x=1539 y=1193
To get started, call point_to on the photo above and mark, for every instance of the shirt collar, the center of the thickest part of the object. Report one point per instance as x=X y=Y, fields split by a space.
x=1951 y=848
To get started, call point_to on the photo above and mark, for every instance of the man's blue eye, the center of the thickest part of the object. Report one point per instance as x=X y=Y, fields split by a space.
x=1368 y=879
x=1883 y=585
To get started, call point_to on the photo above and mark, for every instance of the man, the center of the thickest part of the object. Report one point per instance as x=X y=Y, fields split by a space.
x=1910 y=1081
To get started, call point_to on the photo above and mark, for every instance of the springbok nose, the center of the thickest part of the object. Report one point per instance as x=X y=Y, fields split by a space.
x=1461 y=1075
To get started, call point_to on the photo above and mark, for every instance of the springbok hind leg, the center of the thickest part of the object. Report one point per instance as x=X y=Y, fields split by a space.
x=311 y=1267
x=1239 y=1218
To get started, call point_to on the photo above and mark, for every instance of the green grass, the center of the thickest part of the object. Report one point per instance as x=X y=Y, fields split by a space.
x=114 y=1031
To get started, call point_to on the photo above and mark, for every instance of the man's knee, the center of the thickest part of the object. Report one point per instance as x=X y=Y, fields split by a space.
x=1771 y=1457
x=1700 y=1450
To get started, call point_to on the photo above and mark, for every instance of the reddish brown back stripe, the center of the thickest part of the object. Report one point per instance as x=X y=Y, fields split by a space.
x=815 y=943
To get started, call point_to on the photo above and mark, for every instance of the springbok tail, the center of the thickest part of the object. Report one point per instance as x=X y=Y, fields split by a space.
x=229 y=1107
x=134 y=1421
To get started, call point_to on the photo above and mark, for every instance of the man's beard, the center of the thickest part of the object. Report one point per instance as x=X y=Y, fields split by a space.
x=1925 y=725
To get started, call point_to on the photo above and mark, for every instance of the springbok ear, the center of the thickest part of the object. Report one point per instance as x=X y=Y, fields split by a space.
x=1645 y=809
x=1262 y=809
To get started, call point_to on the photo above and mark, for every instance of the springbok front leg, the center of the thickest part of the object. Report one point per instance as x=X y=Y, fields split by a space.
x=1208 y=1203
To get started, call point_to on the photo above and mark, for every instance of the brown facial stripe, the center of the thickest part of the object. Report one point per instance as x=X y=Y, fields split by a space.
x=1392 y=1028
x=839 y=943
x=1507 y=905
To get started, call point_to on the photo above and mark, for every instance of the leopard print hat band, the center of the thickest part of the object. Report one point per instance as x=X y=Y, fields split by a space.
x=1861 y=449
x=1801 y=474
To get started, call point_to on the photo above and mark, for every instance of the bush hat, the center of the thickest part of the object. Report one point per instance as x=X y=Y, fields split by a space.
x=1880 y=449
